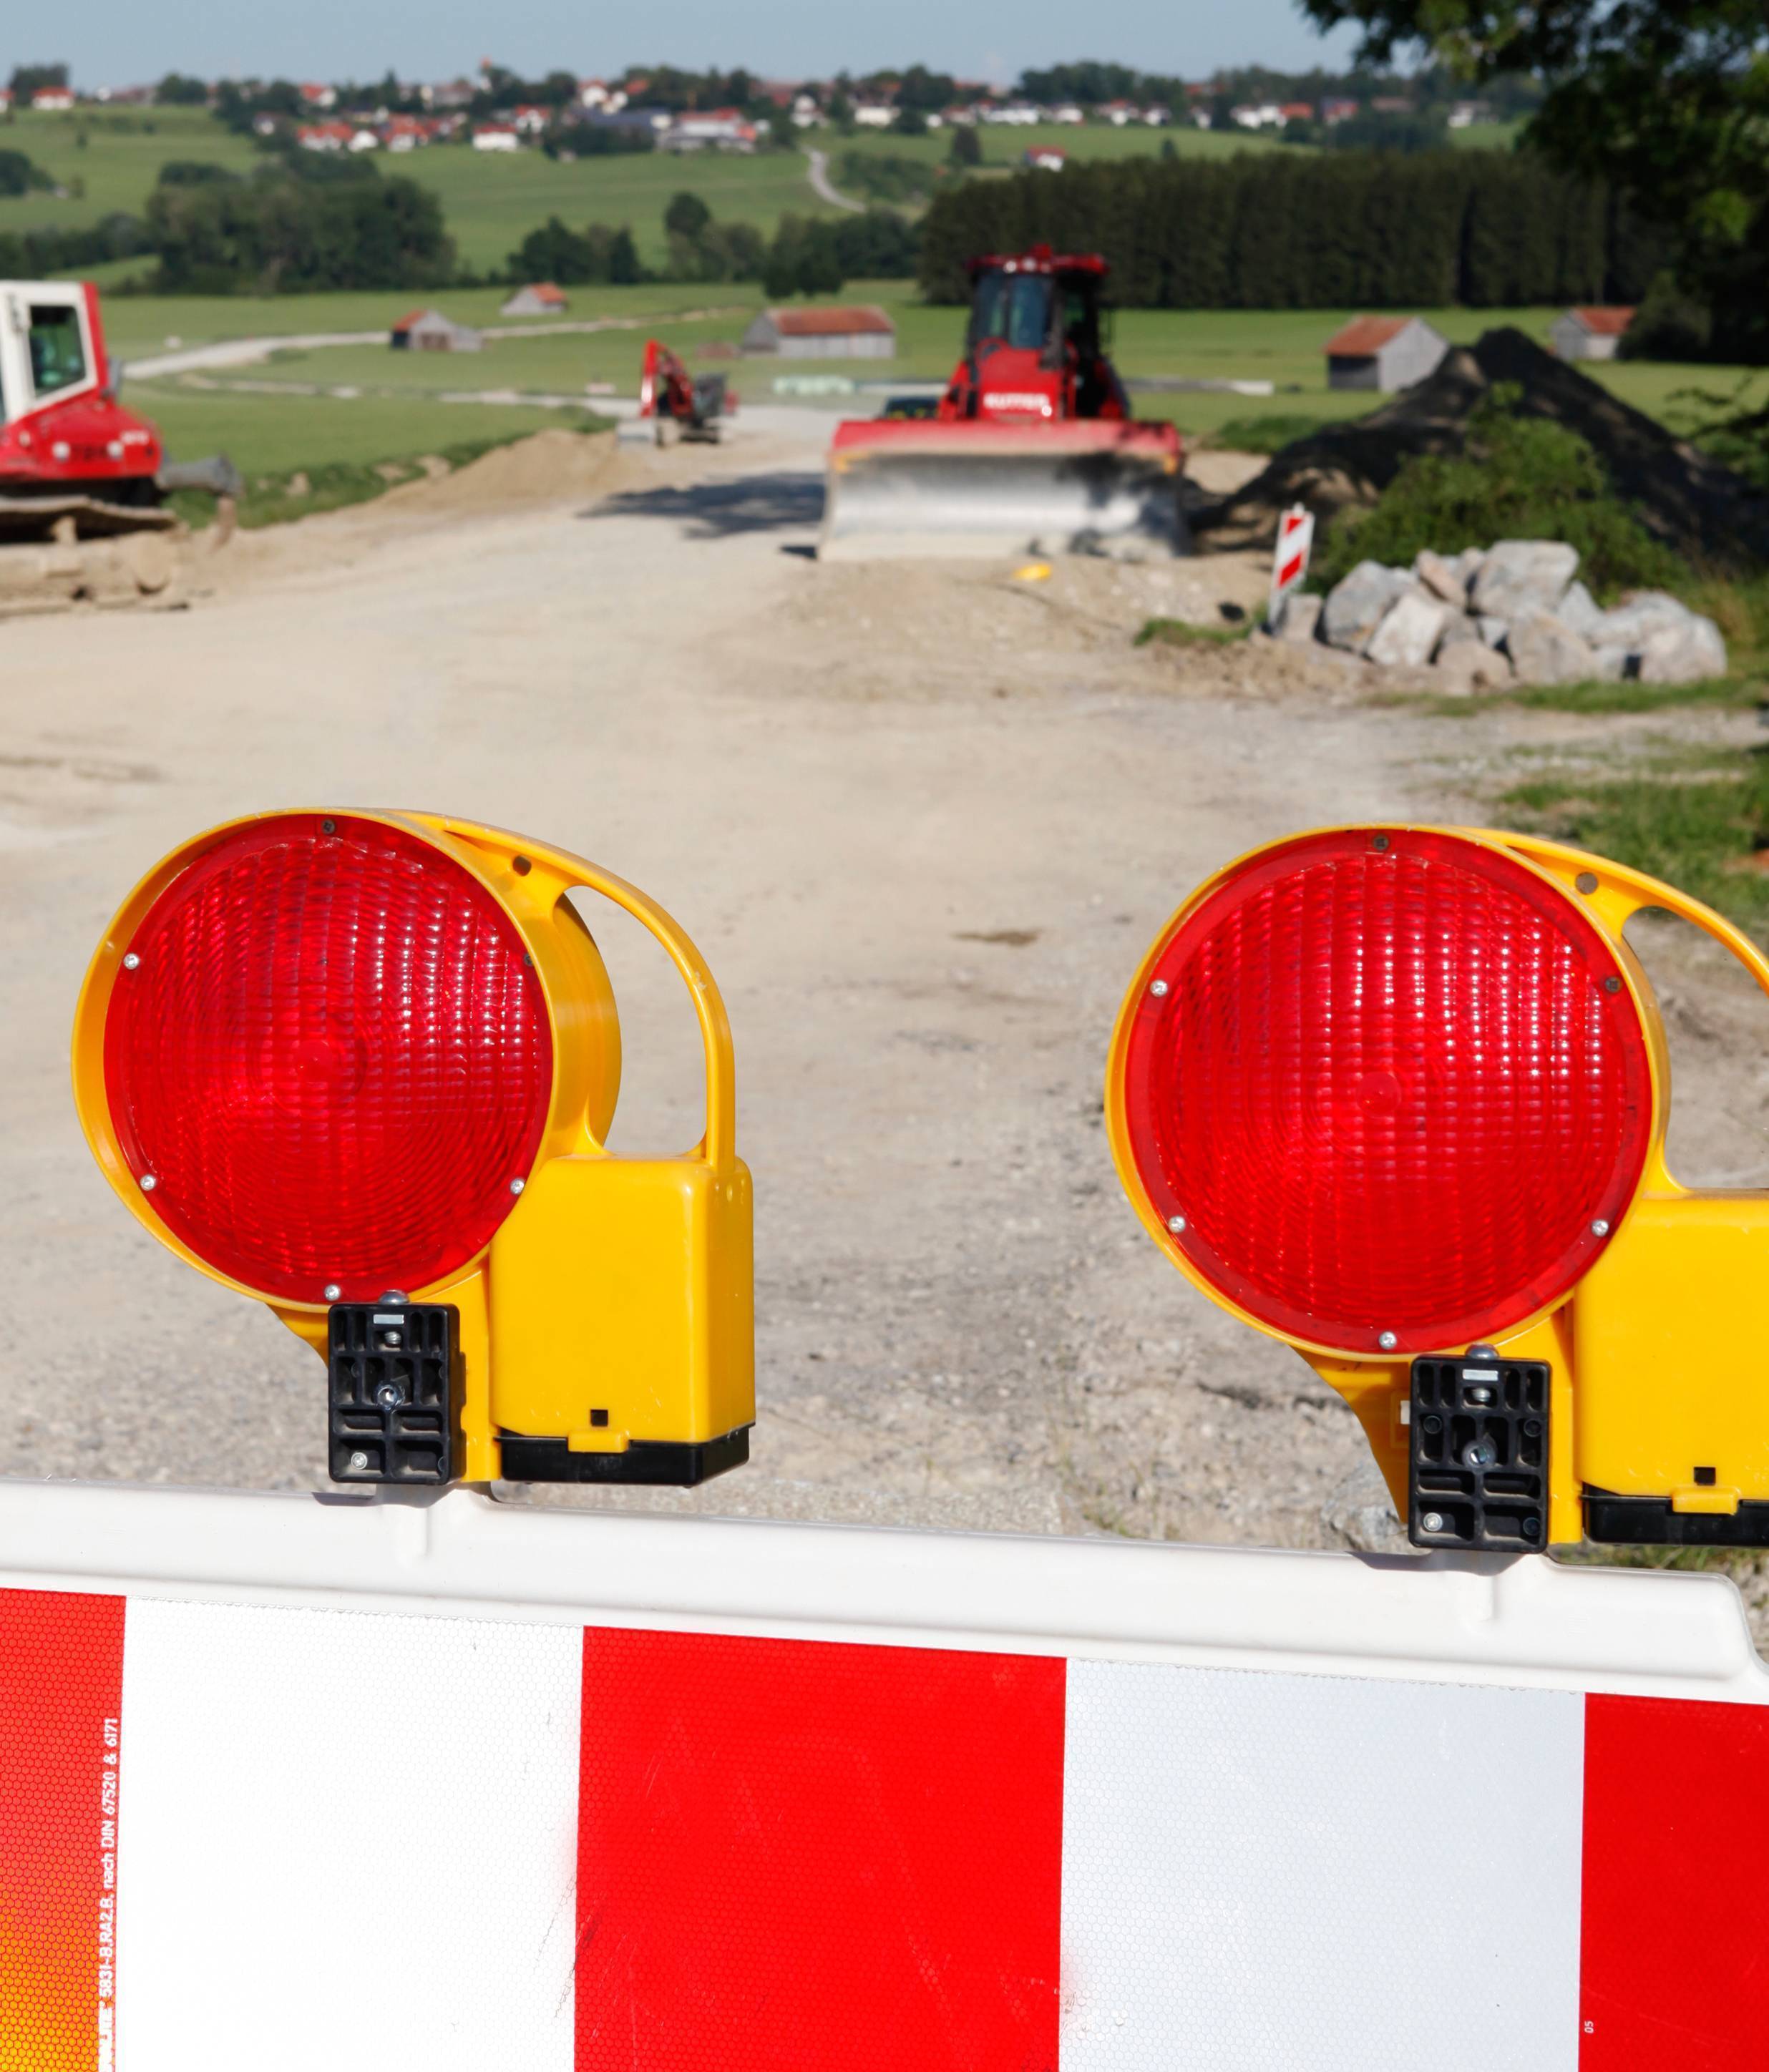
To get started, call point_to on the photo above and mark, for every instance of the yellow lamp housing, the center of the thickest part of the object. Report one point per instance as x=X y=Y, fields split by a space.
x=1397 y=1097
x=362 y=1065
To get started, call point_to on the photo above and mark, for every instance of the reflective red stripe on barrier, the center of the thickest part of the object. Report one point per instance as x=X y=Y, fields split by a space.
x=61 y=1669
x=360 y=1839
x=795 y=1853
x=1677 y=1824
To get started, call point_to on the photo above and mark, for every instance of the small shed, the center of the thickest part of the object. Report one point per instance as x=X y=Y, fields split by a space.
x=1045 y=158
x=1590 y=334
x=864 y=332
x=539 y=299
x=429 y=331
x=1383 y=353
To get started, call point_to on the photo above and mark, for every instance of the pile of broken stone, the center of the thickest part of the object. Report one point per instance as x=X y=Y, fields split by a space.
x=1512 y=614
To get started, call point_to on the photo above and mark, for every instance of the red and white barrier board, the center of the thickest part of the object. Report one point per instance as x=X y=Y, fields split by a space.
x=466 y=1785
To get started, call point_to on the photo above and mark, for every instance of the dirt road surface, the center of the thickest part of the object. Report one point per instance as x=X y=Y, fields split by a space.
x=922 y=822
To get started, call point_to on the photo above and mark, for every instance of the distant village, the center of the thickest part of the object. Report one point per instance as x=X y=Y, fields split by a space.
x=496 y=112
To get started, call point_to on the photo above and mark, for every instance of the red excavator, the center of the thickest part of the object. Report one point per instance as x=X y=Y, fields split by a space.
x=82 y=480
x=673 y=398
x=1031 y=447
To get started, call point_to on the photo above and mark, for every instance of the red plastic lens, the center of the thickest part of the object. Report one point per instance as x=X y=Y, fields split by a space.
x=331 y=1059
x=1388 y=1082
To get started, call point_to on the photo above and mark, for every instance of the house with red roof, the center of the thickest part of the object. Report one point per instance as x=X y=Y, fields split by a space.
x=1589 y=333
x=429 y=331
x=862 y=332
x=1383 y=353
x=539 y=299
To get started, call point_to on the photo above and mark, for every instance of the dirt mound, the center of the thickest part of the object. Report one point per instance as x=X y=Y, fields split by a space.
x=1682 y=497
x=551 y=465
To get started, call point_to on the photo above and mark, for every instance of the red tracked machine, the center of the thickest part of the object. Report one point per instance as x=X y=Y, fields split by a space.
x=1031 y=448
x=82 y=478
x=672 y=398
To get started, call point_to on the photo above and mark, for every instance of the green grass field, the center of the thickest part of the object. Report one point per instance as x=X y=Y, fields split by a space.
x=117 y=165
x=1282 y=347
x=138 y=325
x=276 y=435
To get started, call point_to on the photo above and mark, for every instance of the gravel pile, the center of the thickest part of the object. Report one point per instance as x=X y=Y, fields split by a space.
x=1515 y=613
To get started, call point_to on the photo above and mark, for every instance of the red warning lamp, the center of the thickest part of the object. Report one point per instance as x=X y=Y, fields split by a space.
x=329 y=1059
x=1385 y=1092
x=363 y=1066
x=1397 y=1096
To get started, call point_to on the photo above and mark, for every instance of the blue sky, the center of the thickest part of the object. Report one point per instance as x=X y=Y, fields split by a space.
x=118 y=42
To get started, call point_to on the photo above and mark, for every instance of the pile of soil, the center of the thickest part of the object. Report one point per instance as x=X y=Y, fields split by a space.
x=1690 y=501
x=550 y=465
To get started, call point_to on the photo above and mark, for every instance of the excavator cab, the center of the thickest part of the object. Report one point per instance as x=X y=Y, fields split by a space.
x=48 y=353
x=82 y=480
x=62 y=430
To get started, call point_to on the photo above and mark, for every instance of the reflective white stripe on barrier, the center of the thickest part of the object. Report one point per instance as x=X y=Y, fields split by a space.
x=464 y=1784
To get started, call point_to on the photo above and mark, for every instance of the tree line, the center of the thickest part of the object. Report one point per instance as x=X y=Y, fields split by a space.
x=806 y=255
x=306 y=223
x=1372 y=230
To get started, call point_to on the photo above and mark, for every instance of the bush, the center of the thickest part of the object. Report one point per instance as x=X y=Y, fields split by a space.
x=284 y=232
x=193 y=173
x=967 y=146
x=576 y=258
x=721 y=252
x=1521 y=478
x=885 y=176
x=1730 y=423
x=19 y=175
x=624 y=270
x=686 y=216
x=802 y=260
x=597 y=140
x=1368 y=131
x=816 y=258
x=1669 y=325
x=31 y=254
x=878 y=246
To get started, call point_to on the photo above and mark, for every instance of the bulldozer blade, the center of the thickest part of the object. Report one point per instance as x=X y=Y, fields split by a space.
x=900 y=488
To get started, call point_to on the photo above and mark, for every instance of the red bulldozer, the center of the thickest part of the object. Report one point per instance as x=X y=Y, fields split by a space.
x=1032 y=447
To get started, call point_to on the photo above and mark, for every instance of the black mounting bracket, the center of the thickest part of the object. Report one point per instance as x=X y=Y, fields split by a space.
x=1478 y=1472
x=392 y=1392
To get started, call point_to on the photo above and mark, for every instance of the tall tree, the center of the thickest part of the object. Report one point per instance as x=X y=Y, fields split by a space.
x=26 y=78
x=1669 y=99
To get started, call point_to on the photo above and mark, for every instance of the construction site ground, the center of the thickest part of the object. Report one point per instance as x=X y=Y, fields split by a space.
x=922 y=820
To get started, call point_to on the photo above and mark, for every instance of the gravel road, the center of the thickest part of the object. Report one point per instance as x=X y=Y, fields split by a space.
x=824 y=187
